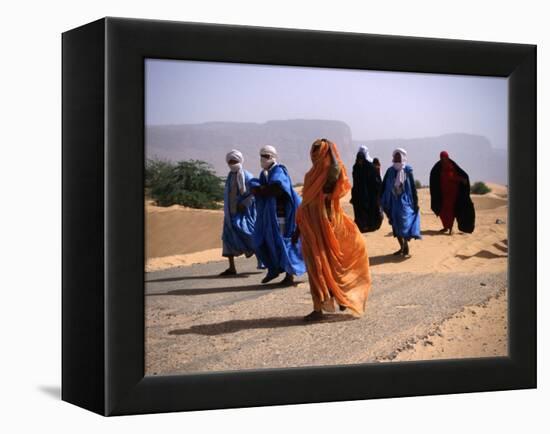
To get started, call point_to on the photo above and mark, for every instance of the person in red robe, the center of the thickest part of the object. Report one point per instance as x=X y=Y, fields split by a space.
x=450 y=195
x=449 y=191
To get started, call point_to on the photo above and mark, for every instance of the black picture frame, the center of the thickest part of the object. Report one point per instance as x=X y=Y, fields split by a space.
x=103 y=216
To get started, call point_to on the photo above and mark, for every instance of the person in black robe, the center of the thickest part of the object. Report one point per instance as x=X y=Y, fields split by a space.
x=365 y=193
x=444 y=194
x=377 y=166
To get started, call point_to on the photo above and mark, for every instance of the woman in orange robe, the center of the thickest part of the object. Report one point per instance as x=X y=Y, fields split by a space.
x=333 y=248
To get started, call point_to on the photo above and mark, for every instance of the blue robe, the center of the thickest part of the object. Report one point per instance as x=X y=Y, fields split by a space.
x=238 y=229
x=274 y=249
x=402 y=211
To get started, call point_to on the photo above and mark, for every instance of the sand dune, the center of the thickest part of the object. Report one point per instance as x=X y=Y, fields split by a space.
x=177 y=236
x=178 y=230
x=499 y=190
x=488 y=201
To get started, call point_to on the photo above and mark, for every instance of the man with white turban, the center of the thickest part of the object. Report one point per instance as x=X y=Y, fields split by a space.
x=400 y=201
x=276 y=204
x=239 y=212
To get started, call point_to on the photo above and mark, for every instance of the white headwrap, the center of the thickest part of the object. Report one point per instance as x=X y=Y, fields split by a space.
x=268 y=162
x=237 y=168
x=400 y=167
x=270 y=150
x=365 y=151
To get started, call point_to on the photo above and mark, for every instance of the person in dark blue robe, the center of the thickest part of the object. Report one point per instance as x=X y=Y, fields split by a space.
x=239 y=213
x=276 y=205
x=400 y=202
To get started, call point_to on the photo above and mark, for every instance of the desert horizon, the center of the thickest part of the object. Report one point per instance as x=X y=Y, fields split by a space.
x=209 y=141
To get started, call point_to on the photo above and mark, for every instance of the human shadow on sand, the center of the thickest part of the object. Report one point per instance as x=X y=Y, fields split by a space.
x=485 y=254
x=431 y=232
x=224 y=289
x=236 y=325
x=387 y=259
x=206 y=276
x=503 y=248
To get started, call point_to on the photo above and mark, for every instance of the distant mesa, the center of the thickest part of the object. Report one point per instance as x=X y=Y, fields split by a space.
x=473 y=153
x=212 y=140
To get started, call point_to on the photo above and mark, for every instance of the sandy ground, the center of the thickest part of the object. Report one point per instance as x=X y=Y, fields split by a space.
x=196 y=322
x=180 y=237
x=475 y=331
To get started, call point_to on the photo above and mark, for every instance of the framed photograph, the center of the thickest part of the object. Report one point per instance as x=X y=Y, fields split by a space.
x=256 y=216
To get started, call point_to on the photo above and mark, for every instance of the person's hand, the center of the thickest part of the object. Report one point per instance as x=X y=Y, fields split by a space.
x=295 y=236
x=241 y=208
x=255 y=190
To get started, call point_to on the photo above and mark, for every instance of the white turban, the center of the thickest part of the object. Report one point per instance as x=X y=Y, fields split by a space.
x=365 y=151
x=234 y=154
x=267 y=163
x=237 y=168
x=400 y=167
x=400 y=151
x=268 y=149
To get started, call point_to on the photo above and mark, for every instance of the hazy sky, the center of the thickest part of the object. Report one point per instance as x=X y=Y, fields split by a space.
x=376 y=105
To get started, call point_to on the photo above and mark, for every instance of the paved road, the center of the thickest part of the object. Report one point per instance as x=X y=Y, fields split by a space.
x=196 y=321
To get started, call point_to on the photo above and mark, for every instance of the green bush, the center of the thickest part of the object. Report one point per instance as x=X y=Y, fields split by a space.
x=417 y=184
x=191 y=183
x=156 y=172
x=480 y=188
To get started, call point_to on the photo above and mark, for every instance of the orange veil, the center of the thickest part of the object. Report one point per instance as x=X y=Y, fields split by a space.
x=333 y=248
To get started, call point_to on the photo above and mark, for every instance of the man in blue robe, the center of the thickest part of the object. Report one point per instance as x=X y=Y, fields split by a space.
x=400 y=201
x=276 y=205
x=239 y=212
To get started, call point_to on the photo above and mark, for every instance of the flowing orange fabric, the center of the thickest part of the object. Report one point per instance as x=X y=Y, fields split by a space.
x=333 y=248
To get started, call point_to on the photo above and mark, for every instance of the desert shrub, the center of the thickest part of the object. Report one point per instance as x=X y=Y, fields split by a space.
x=191 y=183
x=417 y=184
x=480 y=188
x=157 y=172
